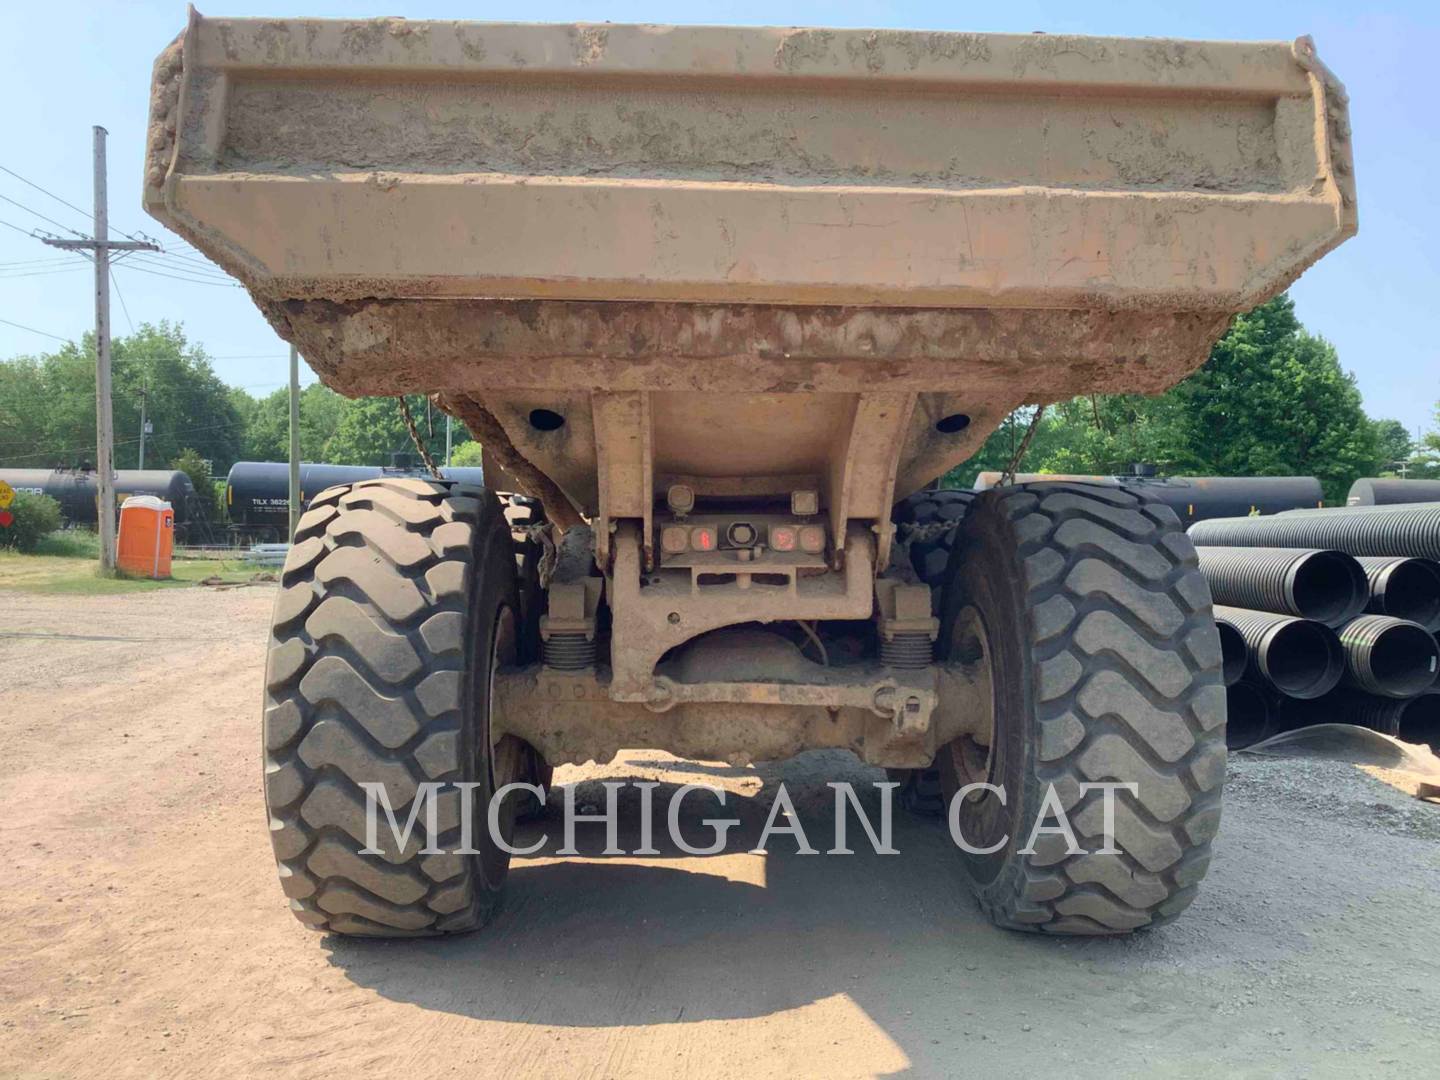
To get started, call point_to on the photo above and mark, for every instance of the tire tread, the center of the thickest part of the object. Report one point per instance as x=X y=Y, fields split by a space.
x=362 y=683
x=1114 y=715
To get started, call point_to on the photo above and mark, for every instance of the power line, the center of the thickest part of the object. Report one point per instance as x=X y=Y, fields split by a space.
x=57 y=198
x=32 y=330
x=42 y=191
x=200 y=263
x=184 y=271
x=124 y=307
x=175 y=277
x=42 y=217
x=35 y=262
x=6 y=275
x=184 y=264
x=28 y=232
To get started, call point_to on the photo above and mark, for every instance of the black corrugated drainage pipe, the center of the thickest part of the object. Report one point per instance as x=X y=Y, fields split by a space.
x=1233 y=654
x=1327 y=586
x=1404 y=587
x=1415 y=720
x=1406 y=529
x=1419 y=720
x=1298 y=657
x=1249 y=715
x=1390 y=657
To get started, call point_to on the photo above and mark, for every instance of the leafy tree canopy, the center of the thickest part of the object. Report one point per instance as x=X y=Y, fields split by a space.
x=47 y=403
x=1272 y=400
x=466 y=455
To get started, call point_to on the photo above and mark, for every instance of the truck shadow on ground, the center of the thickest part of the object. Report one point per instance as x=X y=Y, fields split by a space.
x=599 y=941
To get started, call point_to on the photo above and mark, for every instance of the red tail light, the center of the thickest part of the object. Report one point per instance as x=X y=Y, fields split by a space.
x=783 y=537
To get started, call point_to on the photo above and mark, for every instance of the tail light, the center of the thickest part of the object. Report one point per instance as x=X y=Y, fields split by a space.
x=783 y=537
x=702 y=538
x=812 y=539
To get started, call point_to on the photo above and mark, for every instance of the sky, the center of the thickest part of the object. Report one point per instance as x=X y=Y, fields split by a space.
x=65 y=66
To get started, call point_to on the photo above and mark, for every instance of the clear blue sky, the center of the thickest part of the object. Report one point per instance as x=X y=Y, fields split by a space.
x=65 y=66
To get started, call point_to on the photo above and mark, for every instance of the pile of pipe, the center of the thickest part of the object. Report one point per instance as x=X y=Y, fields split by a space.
x=1328 y=616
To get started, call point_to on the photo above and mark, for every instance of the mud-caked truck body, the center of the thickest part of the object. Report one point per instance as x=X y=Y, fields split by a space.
x=720 y=299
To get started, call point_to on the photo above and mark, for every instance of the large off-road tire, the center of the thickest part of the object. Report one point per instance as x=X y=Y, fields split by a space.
x=524 y=514
x=927 y=522
x=1106 y=667
x=398 y=600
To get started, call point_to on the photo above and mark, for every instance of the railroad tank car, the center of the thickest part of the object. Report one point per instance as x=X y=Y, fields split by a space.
x=75 y=490
x=1387 y=490
x=257 y=493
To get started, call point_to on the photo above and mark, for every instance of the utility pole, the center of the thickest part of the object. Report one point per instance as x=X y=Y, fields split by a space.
x=294 y=440
x=101 y=246
x=144 y=429
x=449 y=428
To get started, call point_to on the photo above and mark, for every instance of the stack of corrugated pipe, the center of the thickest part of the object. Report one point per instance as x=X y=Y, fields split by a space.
x=1328 y=616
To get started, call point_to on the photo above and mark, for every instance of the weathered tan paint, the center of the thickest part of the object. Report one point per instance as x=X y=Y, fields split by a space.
x=750 y=697
x=347 y=160
x=652 y=617
x=742 y=255
x=721 y=373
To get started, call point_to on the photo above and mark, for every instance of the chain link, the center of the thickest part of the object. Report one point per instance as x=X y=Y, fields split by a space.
x=416 y=439
x=919 y=534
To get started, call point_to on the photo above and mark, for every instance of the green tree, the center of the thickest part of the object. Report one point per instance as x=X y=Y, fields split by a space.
x=1108 y=433
x=466 y=455
x=1426 y=458
x=1272 y=400
x=198 y=469
x=371 y=430
x=24 y=410
x=1393 y=443
x=997 y=451
x=47 y=403
x=267 y=435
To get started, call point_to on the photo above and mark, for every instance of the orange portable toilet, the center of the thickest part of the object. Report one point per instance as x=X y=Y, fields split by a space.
x=147 y=536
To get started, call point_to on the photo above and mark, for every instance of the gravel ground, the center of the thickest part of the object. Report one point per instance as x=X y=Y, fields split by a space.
x=143 y=933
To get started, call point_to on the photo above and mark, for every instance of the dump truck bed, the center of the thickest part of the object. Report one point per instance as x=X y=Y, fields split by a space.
x=756 y=233
x=338 y=159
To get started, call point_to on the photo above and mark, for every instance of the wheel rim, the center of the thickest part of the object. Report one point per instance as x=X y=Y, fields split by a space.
x=973 y=753
x=502 y=764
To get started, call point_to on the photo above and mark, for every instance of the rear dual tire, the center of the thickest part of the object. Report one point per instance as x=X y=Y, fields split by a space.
x=399 y=600
x=1106 y=667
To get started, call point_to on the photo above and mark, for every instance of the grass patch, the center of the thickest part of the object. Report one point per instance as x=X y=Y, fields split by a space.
x=70 y=543
x=65 y=564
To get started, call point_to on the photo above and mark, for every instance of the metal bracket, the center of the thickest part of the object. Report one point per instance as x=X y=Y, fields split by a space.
x=904 y=609
x=573 y=608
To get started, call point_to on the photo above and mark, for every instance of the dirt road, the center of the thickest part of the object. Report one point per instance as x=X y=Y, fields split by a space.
x=143 y=933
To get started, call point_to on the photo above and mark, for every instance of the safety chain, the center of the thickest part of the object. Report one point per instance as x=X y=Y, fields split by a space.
x=416 y=439
x=549 y=556
x=919 y=534
x=1008 y=476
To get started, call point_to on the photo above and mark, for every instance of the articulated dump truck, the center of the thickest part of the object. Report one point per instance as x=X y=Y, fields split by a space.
x=725 y=303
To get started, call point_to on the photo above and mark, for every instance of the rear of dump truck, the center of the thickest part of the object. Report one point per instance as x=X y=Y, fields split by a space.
x=720 y=299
